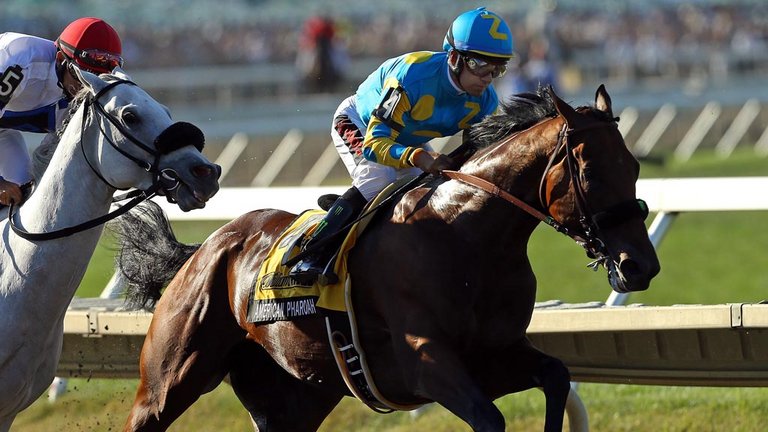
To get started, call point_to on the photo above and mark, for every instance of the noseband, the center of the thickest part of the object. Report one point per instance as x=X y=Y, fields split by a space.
x=591 y=223
x=175 y=136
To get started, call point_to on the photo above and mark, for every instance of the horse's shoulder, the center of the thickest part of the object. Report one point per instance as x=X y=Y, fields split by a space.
x=415 y=204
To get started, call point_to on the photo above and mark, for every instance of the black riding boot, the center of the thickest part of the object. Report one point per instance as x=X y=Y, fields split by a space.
x=343 y=211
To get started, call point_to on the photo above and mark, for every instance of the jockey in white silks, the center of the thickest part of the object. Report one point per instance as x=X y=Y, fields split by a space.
x=36 y=85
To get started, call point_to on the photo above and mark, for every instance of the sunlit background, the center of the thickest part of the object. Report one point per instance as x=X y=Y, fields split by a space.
x=232 y=66
x=687 y=78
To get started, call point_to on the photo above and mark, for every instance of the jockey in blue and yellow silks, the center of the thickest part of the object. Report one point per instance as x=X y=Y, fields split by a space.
x=382 y=132
x=425 y=104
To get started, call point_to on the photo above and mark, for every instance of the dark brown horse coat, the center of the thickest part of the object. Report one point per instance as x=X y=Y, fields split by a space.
x=442 y=286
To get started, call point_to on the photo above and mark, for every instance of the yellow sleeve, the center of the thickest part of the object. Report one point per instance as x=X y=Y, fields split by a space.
x=380 y=143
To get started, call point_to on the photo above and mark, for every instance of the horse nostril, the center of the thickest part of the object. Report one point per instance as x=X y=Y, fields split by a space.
x=629 y=267
x=202 y=170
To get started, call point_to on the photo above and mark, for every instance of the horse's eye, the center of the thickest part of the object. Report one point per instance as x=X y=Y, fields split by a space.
x=588 y=176
x=130 y=118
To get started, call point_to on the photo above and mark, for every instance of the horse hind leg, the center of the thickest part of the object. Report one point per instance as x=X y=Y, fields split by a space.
x=159 y=403
x=175 y=372
x=276 y=400
x=186 y=351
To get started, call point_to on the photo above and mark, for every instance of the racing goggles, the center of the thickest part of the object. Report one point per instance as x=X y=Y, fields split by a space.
x=101 y=61
x=482 y=68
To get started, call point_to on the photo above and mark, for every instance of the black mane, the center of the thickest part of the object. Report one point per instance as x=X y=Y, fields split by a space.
x=517 y=113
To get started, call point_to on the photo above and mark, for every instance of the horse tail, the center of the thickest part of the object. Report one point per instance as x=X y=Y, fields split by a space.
x=149 y=255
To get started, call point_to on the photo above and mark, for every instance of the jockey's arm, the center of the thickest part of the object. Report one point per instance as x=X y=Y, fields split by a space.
x=380 y=144
x=386 y=151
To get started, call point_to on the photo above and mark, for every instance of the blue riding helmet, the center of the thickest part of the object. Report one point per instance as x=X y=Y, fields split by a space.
x=481 y=32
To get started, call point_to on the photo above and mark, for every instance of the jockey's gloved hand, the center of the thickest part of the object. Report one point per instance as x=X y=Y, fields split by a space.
x=9 y=192
x=431 y=162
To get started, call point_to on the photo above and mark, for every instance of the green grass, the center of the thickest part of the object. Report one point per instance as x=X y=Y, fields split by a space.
x=706 y=258
x=706 y=163
x=101 y=405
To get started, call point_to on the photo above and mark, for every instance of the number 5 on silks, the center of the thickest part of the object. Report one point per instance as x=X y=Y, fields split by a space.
x=10 y=79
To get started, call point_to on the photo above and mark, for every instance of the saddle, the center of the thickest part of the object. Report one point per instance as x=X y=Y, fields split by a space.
x=276 y=296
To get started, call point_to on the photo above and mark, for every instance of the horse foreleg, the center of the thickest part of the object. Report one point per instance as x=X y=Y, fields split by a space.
x=441 y=376
x=276 y=400
x=5 y=423
x=556 y=383
x=521 y=367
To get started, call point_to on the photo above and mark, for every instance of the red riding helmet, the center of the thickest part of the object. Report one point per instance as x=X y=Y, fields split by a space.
x=92 y=44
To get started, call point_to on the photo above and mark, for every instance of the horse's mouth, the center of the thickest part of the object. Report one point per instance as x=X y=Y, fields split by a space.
x=189 y=198
x=622 y=283
x=200 y=199
x=191 y=201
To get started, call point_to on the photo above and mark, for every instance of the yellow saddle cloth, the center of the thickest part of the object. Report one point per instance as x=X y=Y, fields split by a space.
x=279 y=297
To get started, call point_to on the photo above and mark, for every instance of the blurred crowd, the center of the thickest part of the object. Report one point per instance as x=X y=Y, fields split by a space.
x=679 y=38
x=662 y=41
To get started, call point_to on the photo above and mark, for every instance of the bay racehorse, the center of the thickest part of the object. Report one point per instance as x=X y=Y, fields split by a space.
x=442 y=287
x=117 y=137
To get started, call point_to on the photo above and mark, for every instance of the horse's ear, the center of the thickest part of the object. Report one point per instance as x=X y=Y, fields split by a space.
x=120 y=73
x=603 y=100
x=562 y=107
x=90 y=81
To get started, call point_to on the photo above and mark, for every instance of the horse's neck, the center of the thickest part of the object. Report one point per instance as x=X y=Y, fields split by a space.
x=517 y=168
x=68 y=194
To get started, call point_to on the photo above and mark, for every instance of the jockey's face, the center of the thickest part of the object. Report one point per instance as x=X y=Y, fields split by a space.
x=475 y=74
x=70 y=83
x=473 y=84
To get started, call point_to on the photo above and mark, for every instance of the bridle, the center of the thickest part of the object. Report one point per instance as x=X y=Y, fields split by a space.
x=175 y=136
x=591 y=223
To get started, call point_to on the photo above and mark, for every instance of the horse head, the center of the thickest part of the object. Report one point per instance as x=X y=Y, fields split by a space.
x=589 y=188
x=116 y=137
x=140 y=145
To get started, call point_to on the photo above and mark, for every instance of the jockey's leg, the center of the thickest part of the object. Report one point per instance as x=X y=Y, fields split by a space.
x=346 y=208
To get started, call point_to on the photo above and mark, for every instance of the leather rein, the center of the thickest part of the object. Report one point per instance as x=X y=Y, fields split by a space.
x=591 y=223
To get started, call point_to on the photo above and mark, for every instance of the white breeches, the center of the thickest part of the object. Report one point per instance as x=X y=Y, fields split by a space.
x=15 y=163
x=368 y=177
